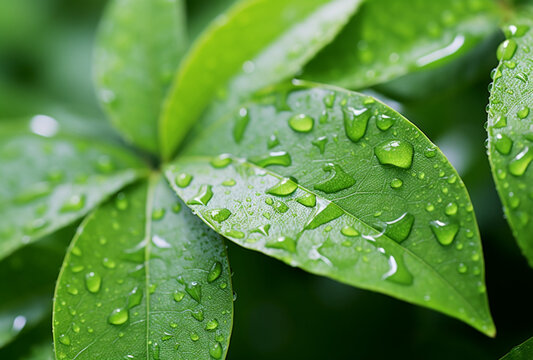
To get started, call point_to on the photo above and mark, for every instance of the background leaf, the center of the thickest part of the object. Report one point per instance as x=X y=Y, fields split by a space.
x=28 y=278
x=139 y=47
x=275 y=38
x=49 y=181
x=523 y=351
x=510 y=129
x=144 y=278
x=388 y=39
x=341 y=185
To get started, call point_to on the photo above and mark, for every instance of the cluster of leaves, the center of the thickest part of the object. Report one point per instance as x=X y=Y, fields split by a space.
x=245 y=143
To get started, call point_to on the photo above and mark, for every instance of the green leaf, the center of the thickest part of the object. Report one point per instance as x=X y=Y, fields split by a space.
x=144 y=278
x=341 y=185
x=270 y=40
x=523 y=351
x=510 y=129
x=28 y=278
x=51 y=181
x=200 y=13
x=389 y=38
x=139 y=47
x=42 y=351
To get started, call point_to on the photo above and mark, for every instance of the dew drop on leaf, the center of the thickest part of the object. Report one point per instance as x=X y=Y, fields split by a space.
x=400 y=228
x=301 y=123
x=183 y=180
x=284 y=187
x=221 y=161
x=281 y=158
x=194 y=289
x=214 y=272
x=519 y=164
x=220 y=215
x=74 y=203
x=503 y=144
x=444 y=232
x=118 y=316
x=211 y=325
x=283 y=243
x=355 y=122
x=205 y=193
x=93 y=281
x=178 y=295
x=338 y=179
x=216 y=350
x=398 y=153
x=349 y=231
x=308 y=200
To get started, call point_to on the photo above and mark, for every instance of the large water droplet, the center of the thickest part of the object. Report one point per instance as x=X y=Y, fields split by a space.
x=211 y=325
x=384 y=122
x=216 y=350
x=444 y=232
x=64 y=339
x=205 y=193
x=355 y=122
x=301 y=123
x=194 y=289
x=519 y=164
x=281 y=158
x=214 y=272
x=282 y=242
x=284 y=187
x=183 y=180
x=219 y=215
x=325 y=212
x=308 y=200
x=118 y=316
x=400 y=228
x=337 y=181
x=506 y=50
x=135 y=297
x=503 y=144
x=398 y=153
x=93 y=281
x=396 y=183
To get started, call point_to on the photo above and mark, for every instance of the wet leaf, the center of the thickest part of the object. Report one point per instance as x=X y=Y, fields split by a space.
x=341 y=185
x=523 y=351
x=144 y=278
x=388 y=39
x=139 y=47
x=49 y=181
x=270 y=40
x=510 y=129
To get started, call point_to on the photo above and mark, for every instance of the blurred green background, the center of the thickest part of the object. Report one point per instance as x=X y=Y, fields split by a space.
x=281 y=312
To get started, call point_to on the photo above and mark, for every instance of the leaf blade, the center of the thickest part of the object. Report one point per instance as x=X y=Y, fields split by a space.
x=509 y=130
x=523 y=351
x=345 y=201
x=133 y=68
x=165 y=299
x=264 y=56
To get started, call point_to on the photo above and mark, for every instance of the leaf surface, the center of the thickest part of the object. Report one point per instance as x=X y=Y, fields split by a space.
x=523 y=351
x=389 y=38
x=341 y=185
x=139 y=46
x=144 y=278
x=510 y=129
x=255 y=44
x=50 y=180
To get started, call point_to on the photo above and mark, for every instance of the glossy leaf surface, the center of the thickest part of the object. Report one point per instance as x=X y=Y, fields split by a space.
x=49 y=181
x=139 y=47
x=144 y=278
x=341 y=185
x=270 y=40
x=510 y=129
x=389 y=38
x=523 y=351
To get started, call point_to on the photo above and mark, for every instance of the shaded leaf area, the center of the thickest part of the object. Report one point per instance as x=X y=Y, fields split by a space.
x=388 y=39
x=523 y=351
x=275 y=39
x=341 y=185
x=49 y=181
x=200 y=13
x=510 y=129
x=139 y=47
x=144 y=278
x=28 y=278
x=43 y=351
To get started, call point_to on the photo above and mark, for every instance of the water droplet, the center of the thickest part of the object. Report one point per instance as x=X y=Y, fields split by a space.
x=241 y=124
x=167 y=336
x=220 y=215
x=214 y=272
x=337 y=181
x=229 y=182
x=108 y=263
x=35 y=192
x=216 y=350
x=444 y=232
x=178 y=295
x=349 y=231
x=523 y=112
x=355 y=122
x=398 y=272
x=430 y=152
x=329 y=100
x=64 y=339
x=400 y=228
x=155 y=351
x=194 y=289
x=462 y=268
x=281 y=158
x=308 y=200
x=198 y=315
x=516 y=30
x=503 y=144
x=211 y=325
x=176 y=208
x=284 y=187
x=272 y=142
x=74 y=203
x=396 y=183
x=506 y=50
x=121 y=201
x=283 y=243
x=221 y=161
x=93 y=282
x=384 y=122
x=118 y=316
x=500 y=121
x=320 y=143
x=514 y=201
x=35 y=225
x=205 y=193
x=158 y=214
x=325 y=212
x=519 y=164
x=301 y=123
x=183 y=180
x=194 y=336
x=135 y=297
x=236 y=234
x=398 y=153
x=451 y=209
x=263 y=230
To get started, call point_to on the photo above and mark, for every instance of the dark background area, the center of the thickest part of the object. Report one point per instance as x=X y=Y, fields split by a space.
x=281 y=312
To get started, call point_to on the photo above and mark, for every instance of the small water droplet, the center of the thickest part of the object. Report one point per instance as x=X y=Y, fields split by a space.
x=121 y=201
x=158 y=214
x=183 y=180
x=219 y=215
x=108 y=263
x=64 y=339
x=519 y=164
x=205 y=193
x=178 y=295
x=93 y=281
x=444 y=232
x=211 y=325
x=325 y=212
x=338 y=179
x=35 y=192
x=281 y=158
x=241 y=124
x=105 y=165
x=284 y=187
x=503 y=144
x=308 y=200
x=74 y=203
x=135 y=297
x=198 y=315
x=462 y=268
x=523 y=112
x=194 y=289
x=214 y=272
x=229 y=182
x=118 y=316
x=398 y=153
x=236 y=234
x=320 y=143
x=272 y=142
x=451 y=209
x=329 y=99
x=384 y=122
x=396 y=183
x=221 y=161
x=216 y=350
x=355 y=122
x=400 y=228
x=194 y=336
x=506 y=50
x=301 y=123
x=349 y=231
